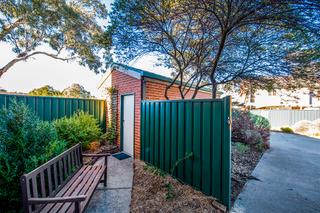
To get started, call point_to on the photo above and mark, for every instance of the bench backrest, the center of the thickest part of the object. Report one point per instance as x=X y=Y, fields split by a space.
x=49 y=178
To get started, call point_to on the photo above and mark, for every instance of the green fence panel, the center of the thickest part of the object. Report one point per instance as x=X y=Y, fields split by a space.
x=172 y=130
x=51 y=108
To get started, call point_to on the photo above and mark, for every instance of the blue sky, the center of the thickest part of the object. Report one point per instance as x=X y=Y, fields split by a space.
x=41 y=70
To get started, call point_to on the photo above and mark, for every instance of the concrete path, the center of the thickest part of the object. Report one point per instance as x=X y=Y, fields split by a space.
x=289 y=176
x=117 y=196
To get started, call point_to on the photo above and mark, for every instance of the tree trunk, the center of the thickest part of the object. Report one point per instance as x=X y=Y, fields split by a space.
x=214 y=91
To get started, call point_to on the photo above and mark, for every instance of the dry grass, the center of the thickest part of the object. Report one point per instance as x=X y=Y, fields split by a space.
x=153 y=191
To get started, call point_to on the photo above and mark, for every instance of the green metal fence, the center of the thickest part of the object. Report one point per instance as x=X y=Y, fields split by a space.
x=51 y=108
x=194 y=135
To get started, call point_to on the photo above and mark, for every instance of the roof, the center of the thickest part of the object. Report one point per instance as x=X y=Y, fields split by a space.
x=141 y=73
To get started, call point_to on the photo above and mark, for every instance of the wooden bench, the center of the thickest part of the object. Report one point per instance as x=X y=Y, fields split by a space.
x=63 y=184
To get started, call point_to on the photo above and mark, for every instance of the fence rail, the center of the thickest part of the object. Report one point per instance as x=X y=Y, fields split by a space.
x=51 y=108
x=280 y=118
x=191 y=140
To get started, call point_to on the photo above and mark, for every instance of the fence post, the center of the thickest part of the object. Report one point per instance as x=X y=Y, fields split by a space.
x=226 y=151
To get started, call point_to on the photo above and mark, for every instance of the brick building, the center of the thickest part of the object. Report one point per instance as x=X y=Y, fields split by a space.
x=130 y=86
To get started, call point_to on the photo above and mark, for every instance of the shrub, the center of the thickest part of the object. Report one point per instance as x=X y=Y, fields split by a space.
x=260 y=121
x=249 y=129
x=242 y=148
x=80 y=128
x=109 y=136
x=25 y=143
x=286 y=129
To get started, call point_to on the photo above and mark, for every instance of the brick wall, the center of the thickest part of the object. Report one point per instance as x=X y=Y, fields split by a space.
x=126 y=84
x=155 y=90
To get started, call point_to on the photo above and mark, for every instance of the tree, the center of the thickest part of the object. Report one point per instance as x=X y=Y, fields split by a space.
x=70 y=28
x=45 y=91
x=210 y=43
x=76 y=91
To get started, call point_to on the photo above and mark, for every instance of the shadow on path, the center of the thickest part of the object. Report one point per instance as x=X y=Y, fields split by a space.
x=289 y=175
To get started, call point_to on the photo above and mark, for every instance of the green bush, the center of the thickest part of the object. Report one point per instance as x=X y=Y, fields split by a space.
x=286 y=129
x=80 y=128
x=242 y=148
x=260 y=121
x=109 y=136
x=25 y=143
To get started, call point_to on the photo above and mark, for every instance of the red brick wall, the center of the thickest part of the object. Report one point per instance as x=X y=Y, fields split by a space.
x=126 y=84
x=155 y=90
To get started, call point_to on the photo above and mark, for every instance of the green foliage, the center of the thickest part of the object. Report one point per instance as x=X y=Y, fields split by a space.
x=111 y=90
x=80 y=128
x=260 y=121
x=242 y=148
x=154 y=170
x=25 y=143
x=72 y=29
x=177 y=163
x=249 y=129
x=170 y=191
x=286 y=129
x=76 y=91
x=45 y=91
x=110 y=135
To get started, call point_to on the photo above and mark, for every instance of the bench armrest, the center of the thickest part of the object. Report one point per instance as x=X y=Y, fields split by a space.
x=96 y=155
x=47 y=200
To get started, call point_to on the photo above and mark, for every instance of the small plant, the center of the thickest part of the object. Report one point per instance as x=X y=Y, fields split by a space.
x=110 y=135
x=80 y=128
x=260 y=147
x=286 y=129
x=111 y=90
x=154 y=170
x=260 y=121
x=170 y=191
x=176 y=164
x=242 y=148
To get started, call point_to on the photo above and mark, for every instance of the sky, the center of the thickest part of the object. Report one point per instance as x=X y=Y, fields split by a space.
x=41 y=70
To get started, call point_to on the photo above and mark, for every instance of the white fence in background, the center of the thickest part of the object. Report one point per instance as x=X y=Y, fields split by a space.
x=280 y=118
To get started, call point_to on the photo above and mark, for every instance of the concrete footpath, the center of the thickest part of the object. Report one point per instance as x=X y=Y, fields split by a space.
x=289 y=178
x=116 y=197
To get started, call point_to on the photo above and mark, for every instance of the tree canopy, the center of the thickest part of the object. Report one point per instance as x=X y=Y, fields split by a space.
x=76 y=91
x=73 y=91
x=45 y=91
x=72 y=29
x=215 y=42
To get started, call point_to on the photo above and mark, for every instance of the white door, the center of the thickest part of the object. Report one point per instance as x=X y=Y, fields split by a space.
x=128 y=123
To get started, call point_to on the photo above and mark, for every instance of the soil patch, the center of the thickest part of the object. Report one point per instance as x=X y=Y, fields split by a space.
x=155 y=191
x=243 y=163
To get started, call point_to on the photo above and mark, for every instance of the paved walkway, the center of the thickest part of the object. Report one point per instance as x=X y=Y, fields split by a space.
x=117 y=196
x=289 y=178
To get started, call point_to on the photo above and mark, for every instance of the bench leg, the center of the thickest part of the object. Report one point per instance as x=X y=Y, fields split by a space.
x=77 y=207
x=105 y=171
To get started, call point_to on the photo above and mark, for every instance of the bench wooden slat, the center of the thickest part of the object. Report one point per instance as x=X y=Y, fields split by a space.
x=42 y=185
x=85 y=188
x=60 y=171
x=73 y=181
x=55 y=176
x=75 y=189
x=34 y=187
x=49 y=179
x=65 y=174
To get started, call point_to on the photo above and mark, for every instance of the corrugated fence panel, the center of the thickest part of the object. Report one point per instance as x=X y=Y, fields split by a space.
x=172 y=130
x=280 y=118
x=51 y=108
